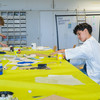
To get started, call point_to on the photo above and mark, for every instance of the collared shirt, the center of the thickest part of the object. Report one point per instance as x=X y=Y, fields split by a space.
x=90 y=52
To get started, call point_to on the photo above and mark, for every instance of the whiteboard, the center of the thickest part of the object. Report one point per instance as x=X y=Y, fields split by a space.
x=94 y=21
x=65 y=25
x=66 y=36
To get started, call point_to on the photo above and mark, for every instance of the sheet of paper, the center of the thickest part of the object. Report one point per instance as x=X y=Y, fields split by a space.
x=55 y=97
x=59 y=79
x=14 y=67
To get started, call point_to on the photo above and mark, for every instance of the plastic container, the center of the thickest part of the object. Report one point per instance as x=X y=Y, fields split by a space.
x=1 y=69
x=6 y=95
x=60 y=56
x=33 y=45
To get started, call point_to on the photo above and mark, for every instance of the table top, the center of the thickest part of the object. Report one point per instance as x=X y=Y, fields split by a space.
x=24 y=86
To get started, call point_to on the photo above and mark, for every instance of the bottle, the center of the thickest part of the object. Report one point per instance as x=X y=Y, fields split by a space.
x=1 y=69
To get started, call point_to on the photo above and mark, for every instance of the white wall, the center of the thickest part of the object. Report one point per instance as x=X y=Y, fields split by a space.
x=33 y=27
x=48 y=4
x=25 y=4
x=40 y=14
x=77 y=4
x=46 y=28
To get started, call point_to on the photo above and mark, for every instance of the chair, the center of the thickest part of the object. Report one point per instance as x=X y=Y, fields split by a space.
x=74 y=46
x=54 y=48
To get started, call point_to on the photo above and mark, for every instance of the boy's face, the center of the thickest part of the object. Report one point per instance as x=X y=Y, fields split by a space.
x=82 y=35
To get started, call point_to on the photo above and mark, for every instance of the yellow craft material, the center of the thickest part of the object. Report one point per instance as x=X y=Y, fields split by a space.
x=60 y=56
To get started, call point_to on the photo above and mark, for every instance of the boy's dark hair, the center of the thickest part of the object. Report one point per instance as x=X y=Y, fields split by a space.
x=1 y=21
x=81 y=27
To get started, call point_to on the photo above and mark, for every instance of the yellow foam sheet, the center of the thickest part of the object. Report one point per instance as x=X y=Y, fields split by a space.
x=22 y=82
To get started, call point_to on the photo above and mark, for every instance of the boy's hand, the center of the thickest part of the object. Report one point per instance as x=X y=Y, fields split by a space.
x=59 y=51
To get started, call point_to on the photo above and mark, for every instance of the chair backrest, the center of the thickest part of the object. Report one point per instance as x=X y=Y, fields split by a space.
x=54 y=48
x=74 y=46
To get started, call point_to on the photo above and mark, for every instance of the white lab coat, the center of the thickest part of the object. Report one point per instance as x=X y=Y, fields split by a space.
x=90 y=51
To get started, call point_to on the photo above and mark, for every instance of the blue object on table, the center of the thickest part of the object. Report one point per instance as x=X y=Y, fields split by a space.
x=1 y=69
x=25 y=62
x=1 y=52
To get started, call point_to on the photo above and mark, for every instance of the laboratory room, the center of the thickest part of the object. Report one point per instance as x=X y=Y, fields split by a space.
x=49 y=49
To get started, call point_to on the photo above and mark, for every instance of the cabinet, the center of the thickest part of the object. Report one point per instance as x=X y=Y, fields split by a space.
x=14 y=28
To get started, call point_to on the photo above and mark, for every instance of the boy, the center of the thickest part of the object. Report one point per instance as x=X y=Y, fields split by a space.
x=2 y=24
x=88 y=52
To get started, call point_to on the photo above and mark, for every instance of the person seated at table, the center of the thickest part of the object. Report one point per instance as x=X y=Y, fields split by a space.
x=88 y=52
x=3 y=36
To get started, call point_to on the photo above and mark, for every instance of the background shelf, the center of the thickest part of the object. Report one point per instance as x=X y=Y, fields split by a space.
x=14 y=28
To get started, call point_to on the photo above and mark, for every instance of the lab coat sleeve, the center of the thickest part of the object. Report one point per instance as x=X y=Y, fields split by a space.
x=81 y=52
